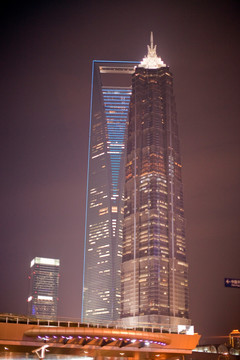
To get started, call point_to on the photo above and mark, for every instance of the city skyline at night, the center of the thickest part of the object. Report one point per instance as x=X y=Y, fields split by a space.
x=47 y=52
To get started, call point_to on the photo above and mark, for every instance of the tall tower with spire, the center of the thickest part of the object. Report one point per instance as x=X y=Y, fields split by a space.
x=154 y=272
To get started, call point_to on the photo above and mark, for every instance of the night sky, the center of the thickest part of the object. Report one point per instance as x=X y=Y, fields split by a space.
x=47 y=49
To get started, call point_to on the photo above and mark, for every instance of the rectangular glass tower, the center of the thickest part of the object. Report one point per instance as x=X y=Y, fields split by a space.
x=110 y=98
x=44 y=283
x=154 y=278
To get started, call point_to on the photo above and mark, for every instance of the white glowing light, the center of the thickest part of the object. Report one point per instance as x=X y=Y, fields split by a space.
x=152 y=61
x=43 y=297
x=29 y=299
x=45 y=261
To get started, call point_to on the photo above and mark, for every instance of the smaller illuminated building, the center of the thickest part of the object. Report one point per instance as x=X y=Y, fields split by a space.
x=234 y=339
x=44 y=283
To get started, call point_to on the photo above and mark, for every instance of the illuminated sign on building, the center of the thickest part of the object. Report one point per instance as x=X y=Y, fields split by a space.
x=233 y=283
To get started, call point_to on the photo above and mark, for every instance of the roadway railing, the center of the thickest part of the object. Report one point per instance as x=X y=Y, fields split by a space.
x=21 y=319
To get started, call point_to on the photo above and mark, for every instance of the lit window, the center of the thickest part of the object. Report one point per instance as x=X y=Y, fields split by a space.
x=103 y=211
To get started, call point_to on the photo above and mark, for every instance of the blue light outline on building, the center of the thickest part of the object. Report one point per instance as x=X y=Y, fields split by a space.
x=86 y=207
x=114 y=103
x=117 y=61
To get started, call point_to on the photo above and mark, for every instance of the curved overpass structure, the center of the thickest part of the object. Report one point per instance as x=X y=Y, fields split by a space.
x=97 y=342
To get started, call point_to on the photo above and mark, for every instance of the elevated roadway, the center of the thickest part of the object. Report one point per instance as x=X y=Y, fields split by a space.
x=96 y=342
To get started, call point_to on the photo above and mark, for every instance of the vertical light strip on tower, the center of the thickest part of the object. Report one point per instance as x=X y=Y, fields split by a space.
x=116 y=104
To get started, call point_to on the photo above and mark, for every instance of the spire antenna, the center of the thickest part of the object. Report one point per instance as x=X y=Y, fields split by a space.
x=151 y=40
x=152 y=61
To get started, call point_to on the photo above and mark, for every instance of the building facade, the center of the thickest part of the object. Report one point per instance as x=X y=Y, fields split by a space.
x=154 y=272
x=110 y=98
x=44 y=284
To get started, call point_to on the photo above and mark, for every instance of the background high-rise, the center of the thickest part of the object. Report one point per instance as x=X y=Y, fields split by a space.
x=44 y=284
x=110 y=98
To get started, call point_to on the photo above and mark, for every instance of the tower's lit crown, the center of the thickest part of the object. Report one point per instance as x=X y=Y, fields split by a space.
x=152 y=61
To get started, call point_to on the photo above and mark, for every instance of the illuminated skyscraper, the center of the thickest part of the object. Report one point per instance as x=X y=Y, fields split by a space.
x=44 y=283
x=154 y=280
x=110 y=98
